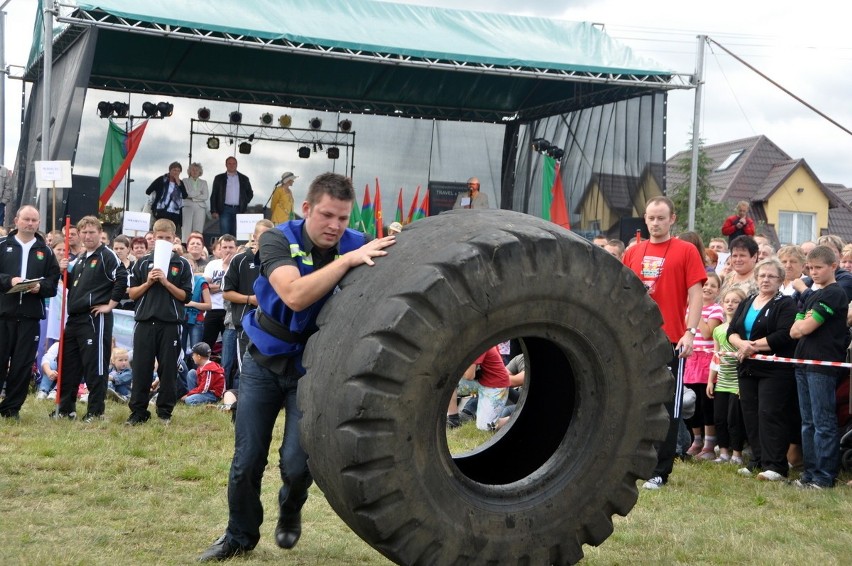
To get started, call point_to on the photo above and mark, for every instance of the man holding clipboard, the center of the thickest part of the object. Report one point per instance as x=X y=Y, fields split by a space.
x=23 y=255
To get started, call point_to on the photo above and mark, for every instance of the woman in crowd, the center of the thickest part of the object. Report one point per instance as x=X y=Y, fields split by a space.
x=792 y=258
x=282 y=199
x=196 y=250
x=744 y=252
x=169 y=193
x=197 y=202
x=761 y=325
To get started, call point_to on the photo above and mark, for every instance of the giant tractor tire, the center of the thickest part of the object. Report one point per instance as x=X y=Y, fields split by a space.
x=392 y=345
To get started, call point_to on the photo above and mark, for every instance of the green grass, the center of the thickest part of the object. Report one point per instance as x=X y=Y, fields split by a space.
x=103 y=493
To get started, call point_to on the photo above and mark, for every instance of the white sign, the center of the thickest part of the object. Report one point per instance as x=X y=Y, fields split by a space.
x=50 y=174
x=136 y=221
x=123 y=324
x=163 y=255
x=723 y=259
x=245 y=225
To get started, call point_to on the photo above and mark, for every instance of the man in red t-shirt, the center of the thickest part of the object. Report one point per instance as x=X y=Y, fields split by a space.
x=673 y=273
x=488 y=378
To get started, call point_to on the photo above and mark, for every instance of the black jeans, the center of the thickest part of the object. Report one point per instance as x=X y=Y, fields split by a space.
x=768 y=408
x=160 y=340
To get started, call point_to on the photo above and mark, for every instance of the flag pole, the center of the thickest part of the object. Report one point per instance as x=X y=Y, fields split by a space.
x=62 y=316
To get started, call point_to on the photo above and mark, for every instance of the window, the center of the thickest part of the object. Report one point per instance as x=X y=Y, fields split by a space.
x=730 y=160
x=796 y=227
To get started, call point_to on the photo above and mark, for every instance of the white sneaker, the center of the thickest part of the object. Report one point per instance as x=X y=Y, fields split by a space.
x=769 y=475
x=52 y=394
x=655 y=482
x=744 y=472
x=41 y=395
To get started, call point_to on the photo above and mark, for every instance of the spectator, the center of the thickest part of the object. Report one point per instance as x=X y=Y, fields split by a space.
x=49 y=372
x=139 y=248
x=206 y=383
x=168 y=191
x=160 y=297
x=765 y=251
x=615 y=248
x=198 y=305
x=673 y=273
x=488 y=379
x=231 y=195
x=97 y=282
x=26 y=256
x=600 y=240
x=214 y=272
x=196 y=250
x=821 y=330
x=842 y=277
x=793 y=261
x=473 y=198
x=718 y=245
x=282 y=199
x=195 y=206
x=738 y=224
x=744 y=252
x=761 y=325
x=120 y=376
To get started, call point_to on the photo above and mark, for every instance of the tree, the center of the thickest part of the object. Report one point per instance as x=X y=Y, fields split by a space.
x=709 y=214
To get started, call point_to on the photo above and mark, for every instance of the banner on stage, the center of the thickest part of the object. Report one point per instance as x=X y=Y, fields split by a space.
x=52 y=174
x=245 y=225
x=136 y=221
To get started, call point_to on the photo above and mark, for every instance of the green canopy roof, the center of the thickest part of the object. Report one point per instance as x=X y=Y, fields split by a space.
x=359 y=56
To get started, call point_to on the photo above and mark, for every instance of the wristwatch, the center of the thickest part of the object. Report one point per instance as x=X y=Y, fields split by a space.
x=694 y=331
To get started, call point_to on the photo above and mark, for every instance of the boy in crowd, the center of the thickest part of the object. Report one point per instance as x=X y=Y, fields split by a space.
x=206 y=383
x=120 y=376
x=822 y=333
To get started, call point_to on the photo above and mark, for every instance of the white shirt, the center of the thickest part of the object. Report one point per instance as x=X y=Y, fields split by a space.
x=214 y=272
x=25 y=254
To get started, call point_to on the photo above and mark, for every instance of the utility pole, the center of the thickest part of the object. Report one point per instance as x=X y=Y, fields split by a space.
x=47 y=67
x=698 y=79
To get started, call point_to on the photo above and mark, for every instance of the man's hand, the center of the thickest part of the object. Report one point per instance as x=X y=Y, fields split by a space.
x=156 y=275
x=101 y=309
x=366 y=253
x=684 y=345
x=214 y=215
x=35 y=289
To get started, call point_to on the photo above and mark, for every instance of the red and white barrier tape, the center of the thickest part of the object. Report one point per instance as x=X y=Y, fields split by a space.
x=779 y=359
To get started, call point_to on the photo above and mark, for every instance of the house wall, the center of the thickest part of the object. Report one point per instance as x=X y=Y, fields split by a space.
x=787 y=199
x=595 y=208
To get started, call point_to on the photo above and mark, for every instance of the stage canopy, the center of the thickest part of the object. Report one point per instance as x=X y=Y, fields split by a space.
x=360 y=57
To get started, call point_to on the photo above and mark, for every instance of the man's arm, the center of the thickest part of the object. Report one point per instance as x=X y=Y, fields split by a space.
x=300 y=292
x=695 y=300
x=728 y=227
x=249 y=191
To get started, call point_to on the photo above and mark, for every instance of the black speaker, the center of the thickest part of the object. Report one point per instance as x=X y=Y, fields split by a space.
x=82 y=198
x=628 y=226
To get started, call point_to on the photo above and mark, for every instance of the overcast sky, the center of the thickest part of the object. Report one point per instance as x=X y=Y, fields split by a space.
x=805 y=48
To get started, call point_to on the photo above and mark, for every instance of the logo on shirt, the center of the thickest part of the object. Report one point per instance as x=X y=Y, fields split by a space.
x=39 y=255
x=93 y=263
x=174 y=271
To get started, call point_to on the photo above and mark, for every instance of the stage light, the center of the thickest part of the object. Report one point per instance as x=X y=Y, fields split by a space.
x=304 y=152
x=345 y=125
x=315 y=123
x=266 y=119
x=555 y=152
x=104 y=109
x=212 y=142
x=245 y=148
x=149 y=109
x=165 y=109
x=203 y=114
x=121 y=109
x=285 y=120
x=236 y=117
x=540 y=145
x=333 y=152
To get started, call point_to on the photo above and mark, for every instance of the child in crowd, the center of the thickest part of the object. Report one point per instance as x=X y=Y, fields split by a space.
x=49 y=373
x=206 y=384
x=821 y=330
x=723 y=386
x=120 y=376
x=697 y=369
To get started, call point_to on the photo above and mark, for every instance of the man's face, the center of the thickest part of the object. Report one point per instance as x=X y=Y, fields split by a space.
x=73 y=237
x=227 y=248
x=599 y=242
x=27 y=221
x=326 y=220
x=91 y=237
x=614 y=251
x=742 y=211
x=718 y=246
x=659 y=219
x=231 y=165
x=822 y=272
x=473 y=185
x=149 y=237
x=164 y=235
x=742 y=262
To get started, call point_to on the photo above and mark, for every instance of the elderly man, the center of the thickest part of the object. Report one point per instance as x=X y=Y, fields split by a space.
x=473 y=198
x=738 y=224
x=230 y=196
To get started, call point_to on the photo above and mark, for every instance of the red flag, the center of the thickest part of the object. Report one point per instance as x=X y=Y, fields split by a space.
x=398 y=216
x=413 y=206
x=380 y=230
x=558 y=208
x=425 y=205
x=119 y=152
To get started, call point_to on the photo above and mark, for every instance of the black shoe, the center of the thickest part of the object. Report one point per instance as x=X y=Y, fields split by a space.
x=59 y=416
x=91 y=417
x=222 y=549
x=12 y=416
x=136 y=419
x=453 y=421
x=288 y=530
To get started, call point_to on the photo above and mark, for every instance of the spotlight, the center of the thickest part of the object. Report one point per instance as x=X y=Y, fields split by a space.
x=266 y=119
x=285 y=120
x=204 y=114
x=540 y=144
x=235 y=117
x=315 y=123
x=212 y=142
x=165 y=109
x=149 y=109
x=304 y=152
x=345 y=125
x=555 y=152
x=333 y=152
x=104 y=109
x=245 y=148
x=121 y=109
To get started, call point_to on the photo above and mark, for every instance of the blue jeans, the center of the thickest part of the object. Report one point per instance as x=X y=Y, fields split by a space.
x=192 y=334
x=261 y=396
x=229 y=353
x=228 y=220
x=820 y=441
x=197 y=398
x=45 y=383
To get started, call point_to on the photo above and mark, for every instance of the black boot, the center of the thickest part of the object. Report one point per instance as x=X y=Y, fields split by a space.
x=289 y=529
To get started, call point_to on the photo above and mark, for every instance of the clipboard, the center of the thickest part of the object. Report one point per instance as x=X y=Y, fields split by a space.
x=24 y=286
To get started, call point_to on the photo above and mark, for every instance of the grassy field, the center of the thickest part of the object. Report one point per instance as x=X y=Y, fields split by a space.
x=103 y=493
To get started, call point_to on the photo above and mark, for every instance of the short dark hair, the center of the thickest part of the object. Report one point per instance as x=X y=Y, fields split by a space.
x=823 y=254
x=746 y=243
x=661 y=200
x=139 y=240
x=331 y=184
x=226 y=238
